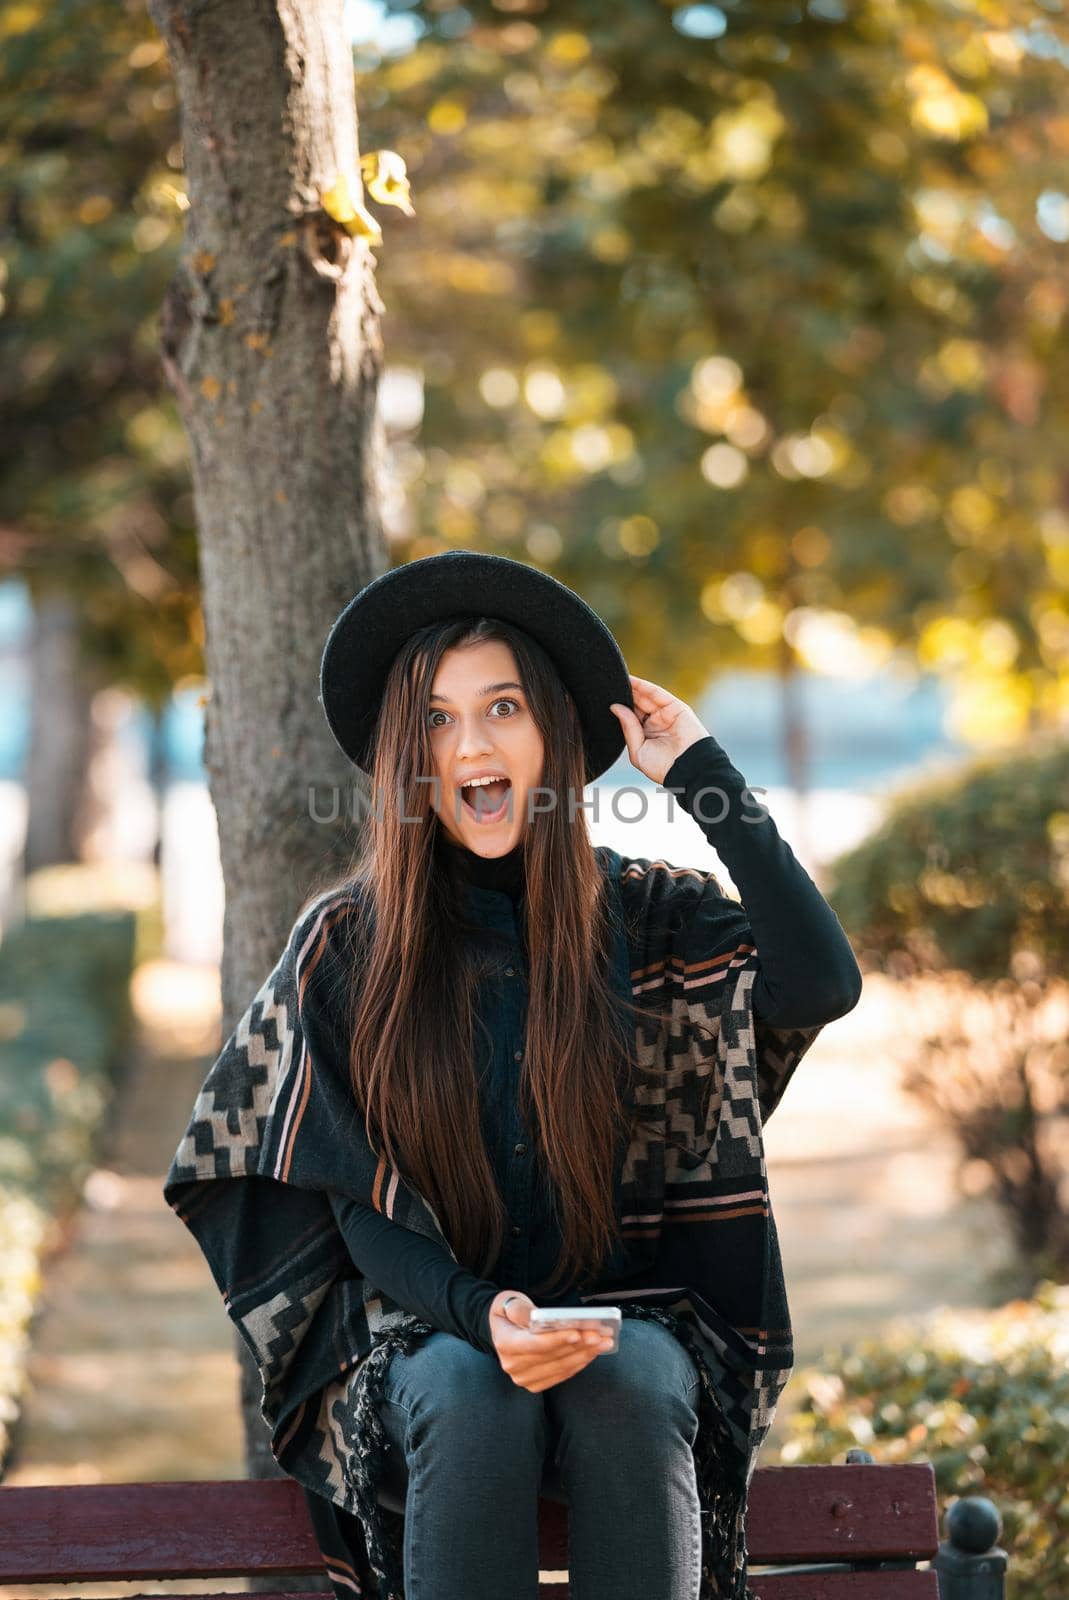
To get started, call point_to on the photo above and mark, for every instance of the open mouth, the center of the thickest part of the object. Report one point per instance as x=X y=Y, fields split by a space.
x=487 y=802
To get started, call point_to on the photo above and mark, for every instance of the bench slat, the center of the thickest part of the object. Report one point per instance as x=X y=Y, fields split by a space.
x=155 y=1530
x=846 y=1586
x=817 y=1586
x=229 y=1594
x=549 y=1591
x=864 y=1512
x=93 y=1532
x=553 y=1536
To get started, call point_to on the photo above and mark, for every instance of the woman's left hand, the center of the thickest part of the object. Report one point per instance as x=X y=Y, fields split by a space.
x=664 y=727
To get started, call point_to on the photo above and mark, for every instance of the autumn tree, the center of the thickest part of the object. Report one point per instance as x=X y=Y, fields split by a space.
x=271 y=345
x=747 y=322
x=94 y=495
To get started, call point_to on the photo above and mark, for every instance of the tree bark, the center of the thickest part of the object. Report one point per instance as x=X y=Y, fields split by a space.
x=271 y=343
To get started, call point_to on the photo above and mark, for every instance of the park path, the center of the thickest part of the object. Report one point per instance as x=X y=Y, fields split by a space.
x=132 y=1372
x=133 y=1375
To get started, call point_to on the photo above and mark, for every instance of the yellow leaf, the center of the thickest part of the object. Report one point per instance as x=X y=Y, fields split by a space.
x=20 y=19
x=569 y=48
x=386 y=177
x=338 y=203
x=447 y=116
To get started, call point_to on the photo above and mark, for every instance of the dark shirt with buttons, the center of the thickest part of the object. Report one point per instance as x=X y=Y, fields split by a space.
x=531 y=1240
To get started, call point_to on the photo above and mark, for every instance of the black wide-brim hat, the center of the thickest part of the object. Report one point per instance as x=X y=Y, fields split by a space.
x=366 y=636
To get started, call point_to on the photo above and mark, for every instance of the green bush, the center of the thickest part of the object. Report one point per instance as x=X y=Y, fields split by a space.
x=966 y=882
x=968 y=871
x=64 y=1018
x=983 y=1396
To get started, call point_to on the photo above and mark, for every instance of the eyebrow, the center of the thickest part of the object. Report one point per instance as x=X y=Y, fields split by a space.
x=488 y=688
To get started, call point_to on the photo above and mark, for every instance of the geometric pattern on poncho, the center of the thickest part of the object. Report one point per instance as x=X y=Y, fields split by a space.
x=274 y=1131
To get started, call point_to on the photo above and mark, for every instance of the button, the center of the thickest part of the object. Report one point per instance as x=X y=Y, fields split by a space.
x=519 y=1149
x=517 y=1055
x=510 y=972
x=515 y=1230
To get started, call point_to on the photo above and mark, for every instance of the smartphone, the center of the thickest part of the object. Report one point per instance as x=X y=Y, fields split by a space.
x=607 y=1318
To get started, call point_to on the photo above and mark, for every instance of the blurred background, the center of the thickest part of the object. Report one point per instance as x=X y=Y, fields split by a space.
x=749 y=326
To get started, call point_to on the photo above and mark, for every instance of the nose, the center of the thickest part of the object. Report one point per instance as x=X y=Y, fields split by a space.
x=473 y=738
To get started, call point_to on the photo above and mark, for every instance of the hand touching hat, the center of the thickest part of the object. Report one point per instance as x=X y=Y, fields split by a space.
x=662 y=729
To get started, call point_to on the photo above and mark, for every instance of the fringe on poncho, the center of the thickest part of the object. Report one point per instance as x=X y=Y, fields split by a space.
x=275 y=1130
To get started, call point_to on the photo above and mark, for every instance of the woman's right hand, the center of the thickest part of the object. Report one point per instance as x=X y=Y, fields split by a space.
x=537 y=1360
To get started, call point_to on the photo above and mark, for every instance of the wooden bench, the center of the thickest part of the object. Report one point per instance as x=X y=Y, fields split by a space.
x=854 y=1531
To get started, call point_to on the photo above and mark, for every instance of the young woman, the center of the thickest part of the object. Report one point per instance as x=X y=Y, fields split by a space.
x=498 y=1067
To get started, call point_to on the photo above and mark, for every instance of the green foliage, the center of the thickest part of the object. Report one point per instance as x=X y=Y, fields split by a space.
x=968 y=872
x=94 y=491
x=966 y=881
x=64 y=988
x=64 y=1016
x=983 y=1396
x=728 y=331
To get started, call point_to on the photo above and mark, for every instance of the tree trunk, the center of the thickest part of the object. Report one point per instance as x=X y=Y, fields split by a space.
x=157 y=777
x=271 y=344
x=57 y=763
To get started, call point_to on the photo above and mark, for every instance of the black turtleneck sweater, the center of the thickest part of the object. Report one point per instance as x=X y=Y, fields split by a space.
x=504 y=873
x=809 y=975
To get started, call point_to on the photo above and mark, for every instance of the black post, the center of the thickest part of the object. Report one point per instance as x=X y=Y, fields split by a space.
x=970 y=1563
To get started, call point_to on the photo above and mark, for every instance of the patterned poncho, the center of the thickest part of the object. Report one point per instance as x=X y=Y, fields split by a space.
x=275 y=1132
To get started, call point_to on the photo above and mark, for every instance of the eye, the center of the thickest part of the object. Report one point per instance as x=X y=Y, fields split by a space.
x=504 y=701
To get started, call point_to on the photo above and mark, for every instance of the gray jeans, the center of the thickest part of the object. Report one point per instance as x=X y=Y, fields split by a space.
x=471 y=1452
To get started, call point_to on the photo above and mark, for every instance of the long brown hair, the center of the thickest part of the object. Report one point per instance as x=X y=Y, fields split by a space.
x=411 y=1006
